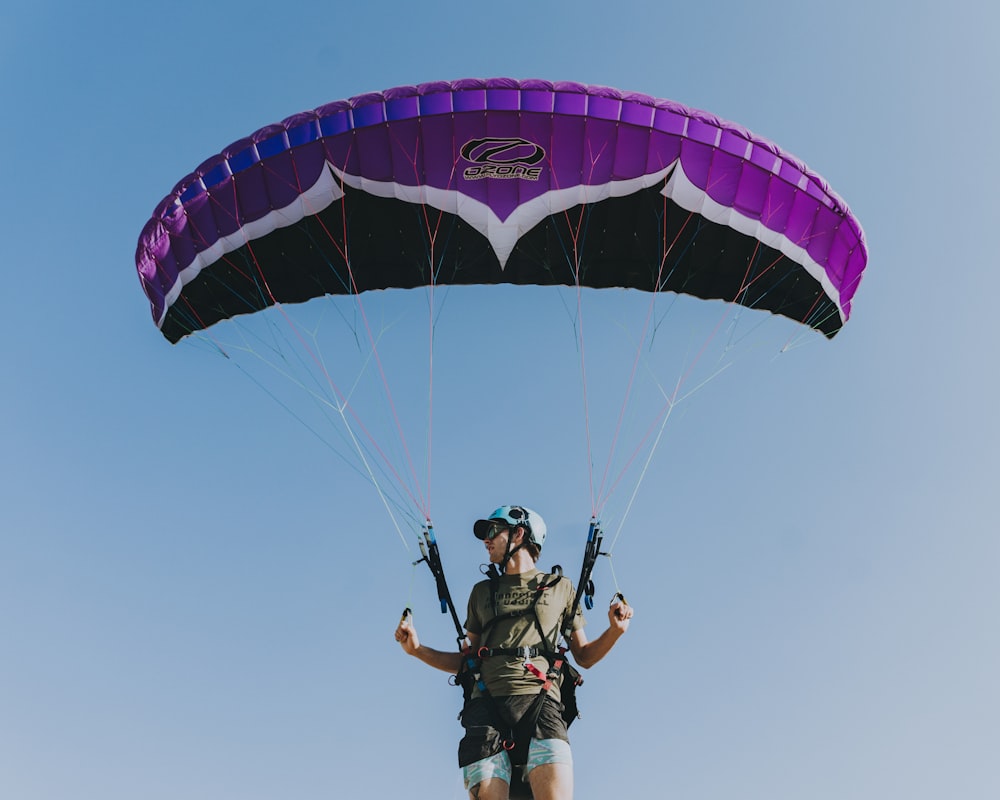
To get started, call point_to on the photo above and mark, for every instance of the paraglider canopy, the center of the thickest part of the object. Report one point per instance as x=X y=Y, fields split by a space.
x=500 y=181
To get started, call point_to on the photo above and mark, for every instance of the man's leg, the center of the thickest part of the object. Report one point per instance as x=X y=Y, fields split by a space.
x=550 y=769
x=490 y=789
x=488 y=778
x=552 y=782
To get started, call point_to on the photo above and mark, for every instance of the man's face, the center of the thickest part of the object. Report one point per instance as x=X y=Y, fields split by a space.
x=497 y=539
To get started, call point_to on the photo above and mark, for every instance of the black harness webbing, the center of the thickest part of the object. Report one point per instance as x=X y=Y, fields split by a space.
x=432 y=557
x=585 y=586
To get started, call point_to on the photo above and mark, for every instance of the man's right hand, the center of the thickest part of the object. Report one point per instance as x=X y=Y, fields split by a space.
x=406 y=634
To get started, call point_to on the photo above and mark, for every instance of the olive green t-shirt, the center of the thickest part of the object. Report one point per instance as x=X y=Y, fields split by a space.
x=506 y=675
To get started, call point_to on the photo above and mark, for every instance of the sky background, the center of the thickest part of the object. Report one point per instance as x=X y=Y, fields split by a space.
x=197 y=600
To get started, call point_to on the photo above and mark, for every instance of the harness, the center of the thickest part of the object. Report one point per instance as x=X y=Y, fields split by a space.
x=517 y=733
x=470 y=676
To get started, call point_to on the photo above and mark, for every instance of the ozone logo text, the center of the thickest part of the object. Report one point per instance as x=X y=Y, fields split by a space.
x=502 y=158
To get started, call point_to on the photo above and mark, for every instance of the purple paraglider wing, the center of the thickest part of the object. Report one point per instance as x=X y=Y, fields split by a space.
x=500 y=181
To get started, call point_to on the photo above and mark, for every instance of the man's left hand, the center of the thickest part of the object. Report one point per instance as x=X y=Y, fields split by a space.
x=619 y=615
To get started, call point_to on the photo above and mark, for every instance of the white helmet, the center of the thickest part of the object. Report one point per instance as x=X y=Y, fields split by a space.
x=513 y=516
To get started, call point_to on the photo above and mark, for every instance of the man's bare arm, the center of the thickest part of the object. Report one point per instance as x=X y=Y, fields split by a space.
x=407 y=637
x=587 y=653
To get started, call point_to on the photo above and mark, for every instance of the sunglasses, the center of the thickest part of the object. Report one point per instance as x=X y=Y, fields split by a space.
x=496 y=528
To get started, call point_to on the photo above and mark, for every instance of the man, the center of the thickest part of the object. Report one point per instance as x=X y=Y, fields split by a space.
x=514 y=620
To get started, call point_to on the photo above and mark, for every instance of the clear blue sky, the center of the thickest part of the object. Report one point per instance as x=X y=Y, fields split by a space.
x=197 y=600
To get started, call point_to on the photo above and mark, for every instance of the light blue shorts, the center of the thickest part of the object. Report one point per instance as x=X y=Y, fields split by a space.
x=540 y=751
